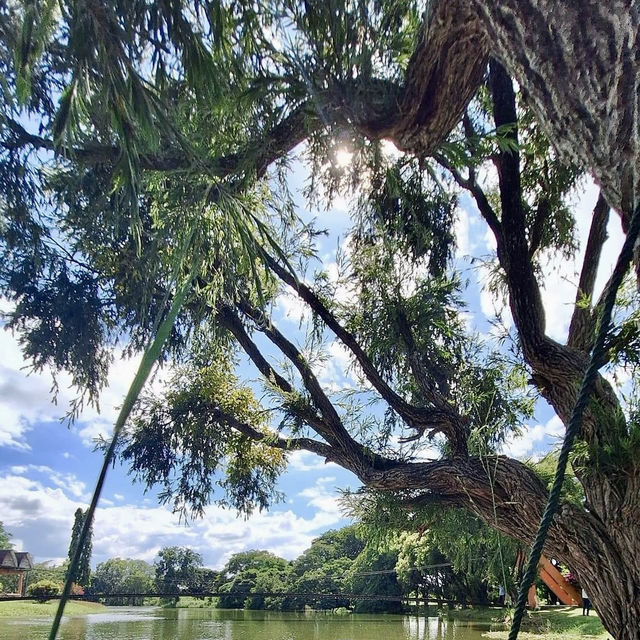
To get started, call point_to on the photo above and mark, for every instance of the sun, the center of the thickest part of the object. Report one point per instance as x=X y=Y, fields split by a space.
x=343 y=157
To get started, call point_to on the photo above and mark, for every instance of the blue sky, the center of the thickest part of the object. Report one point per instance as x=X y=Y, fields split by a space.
x=47 y=469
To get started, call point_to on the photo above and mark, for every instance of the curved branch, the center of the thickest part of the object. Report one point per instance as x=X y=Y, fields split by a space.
x=470 y=184
x=272 y=439
x=582 y=326
x=480 y=484
x=230 y=321
x=444 y=72
x=439 y=82
x=420 y=418
x=257 y=155
x=332 y=430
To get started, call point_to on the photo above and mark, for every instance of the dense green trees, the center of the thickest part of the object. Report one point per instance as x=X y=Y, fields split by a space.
x=341 y=565
x=135 y=134
x=249 y=574
x=5 y=543
x=177 y=569
x=325 y=568
x=43 y=590
x=123 y=575
x=48 y=571
x=373 y=573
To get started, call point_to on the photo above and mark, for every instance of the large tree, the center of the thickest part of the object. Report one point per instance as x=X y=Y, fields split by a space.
x=118 y=575
x=137 y=133
x=176 y=569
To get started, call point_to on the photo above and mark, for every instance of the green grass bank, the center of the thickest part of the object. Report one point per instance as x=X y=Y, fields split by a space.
x=33 y=609
x=559 y=623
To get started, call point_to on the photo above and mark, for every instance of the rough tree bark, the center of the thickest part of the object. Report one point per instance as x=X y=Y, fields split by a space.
x=578 y=62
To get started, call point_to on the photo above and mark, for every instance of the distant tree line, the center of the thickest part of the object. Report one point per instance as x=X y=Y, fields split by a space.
x=338 y=565
x=457 y=559
x=451 y=561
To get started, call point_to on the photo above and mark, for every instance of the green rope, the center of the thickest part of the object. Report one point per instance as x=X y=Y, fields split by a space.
x=598 y=358
x=150 y=356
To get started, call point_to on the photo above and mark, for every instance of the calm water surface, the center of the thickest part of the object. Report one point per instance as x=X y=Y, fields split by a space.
x=141 y=623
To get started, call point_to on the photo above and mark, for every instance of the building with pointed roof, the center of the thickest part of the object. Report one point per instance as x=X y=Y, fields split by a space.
x=15 y=563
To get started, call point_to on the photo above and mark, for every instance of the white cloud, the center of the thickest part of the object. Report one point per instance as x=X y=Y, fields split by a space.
x=532 y=438
x=42 y=516
x=334 y=371
x=307 y=461
x=94 y=430
x=492 y=305
x=322 y=496
x=292 y=307
x=560 y=277
x=26 y=400
x=68 y=481
x=13 y=431
x=461 y=232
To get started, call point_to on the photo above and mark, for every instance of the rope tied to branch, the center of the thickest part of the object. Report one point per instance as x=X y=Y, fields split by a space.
x=598 y=359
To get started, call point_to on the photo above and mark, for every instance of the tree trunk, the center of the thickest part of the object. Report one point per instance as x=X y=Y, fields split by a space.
x=508 y=496
x=578 y=60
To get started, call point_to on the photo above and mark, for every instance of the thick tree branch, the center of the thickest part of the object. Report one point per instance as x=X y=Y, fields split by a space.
x=535 y=235
x=577 y=63
x=255 y=158
x=479 y=484
x=341 y=449
x=457 y=430
x=513 y=250
x=440 y=80
x=272 y=439
x=331 y=429
x=420 y=418
x=230 y=321
x=583 y=321
x=441 y=77
x=557 y=369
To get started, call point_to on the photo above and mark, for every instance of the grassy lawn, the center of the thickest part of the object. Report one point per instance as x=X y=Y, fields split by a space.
x=188 y=602
x=556 y=624
x=32 y=609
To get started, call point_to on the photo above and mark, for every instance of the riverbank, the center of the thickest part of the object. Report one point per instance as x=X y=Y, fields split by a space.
x=558 y=623
x=33 y=609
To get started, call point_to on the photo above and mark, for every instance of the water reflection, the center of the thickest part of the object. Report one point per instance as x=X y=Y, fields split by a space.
x=214 y=624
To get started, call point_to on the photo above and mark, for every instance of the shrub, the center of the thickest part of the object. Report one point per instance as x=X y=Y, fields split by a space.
x=43 y=590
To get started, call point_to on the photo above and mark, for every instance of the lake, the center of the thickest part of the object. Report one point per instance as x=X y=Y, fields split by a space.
x=150 y=623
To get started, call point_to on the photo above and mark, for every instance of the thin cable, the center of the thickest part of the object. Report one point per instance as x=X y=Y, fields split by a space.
x=598 y=358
